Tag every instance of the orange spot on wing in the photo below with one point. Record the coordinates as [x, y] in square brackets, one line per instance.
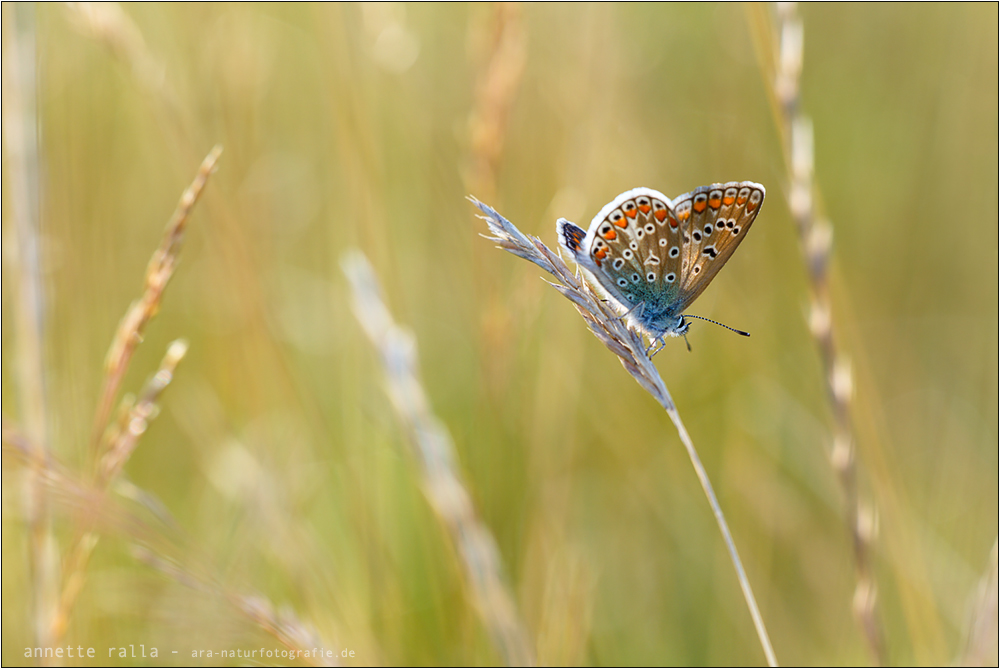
[728, 200]
[601, 254]
[684, 214]
[621, 222]
[610, 234]
[741, 200]
[644, 208]
[631, 212]
[673, 221]
[660, 214]
[700, 205]
[751, 206]
[714, 203]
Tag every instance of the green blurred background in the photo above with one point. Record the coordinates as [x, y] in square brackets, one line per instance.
[277, 452]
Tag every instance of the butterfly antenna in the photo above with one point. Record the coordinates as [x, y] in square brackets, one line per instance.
[702, 318]
[687, 342]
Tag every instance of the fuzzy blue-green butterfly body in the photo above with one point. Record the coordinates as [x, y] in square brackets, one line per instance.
[654, 255]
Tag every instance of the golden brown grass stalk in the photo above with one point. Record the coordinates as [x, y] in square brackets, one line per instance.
[816, 242]
[114, 442]
[158, 273]
[107, 23]
[496, 86]
[434, 454]
[126, 435]
[162, 550]
[123, 440]
[284, 625]
[608, 326]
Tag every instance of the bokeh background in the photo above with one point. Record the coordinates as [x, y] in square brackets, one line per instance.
[277, 467]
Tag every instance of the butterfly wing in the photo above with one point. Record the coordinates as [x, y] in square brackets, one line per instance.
[622, 248]
[713, 221]
[649, 252]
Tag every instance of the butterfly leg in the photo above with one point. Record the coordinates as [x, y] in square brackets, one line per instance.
[662, 343]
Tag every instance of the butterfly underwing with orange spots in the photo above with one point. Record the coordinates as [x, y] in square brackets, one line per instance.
[654, 255]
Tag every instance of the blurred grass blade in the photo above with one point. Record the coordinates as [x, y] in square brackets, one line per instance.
[434, 454]
[158, 273]
[816, 243]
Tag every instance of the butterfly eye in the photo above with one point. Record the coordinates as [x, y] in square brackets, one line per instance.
[635, 278]
[730, 223]
[721, 223]
[674, 252]
[622, 282]
[710, 251]
[619, 263]
[663, 241]
[650, 228]
[627, 254]
[651, 277]
[708, 229]
[697, 268]
[671, 277]
[696, 235]
[736, 230]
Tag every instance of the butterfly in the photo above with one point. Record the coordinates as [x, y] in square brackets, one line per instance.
[654, 255]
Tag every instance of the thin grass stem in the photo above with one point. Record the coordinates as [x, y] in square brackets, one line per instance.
[21, 136]
[435, 456]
